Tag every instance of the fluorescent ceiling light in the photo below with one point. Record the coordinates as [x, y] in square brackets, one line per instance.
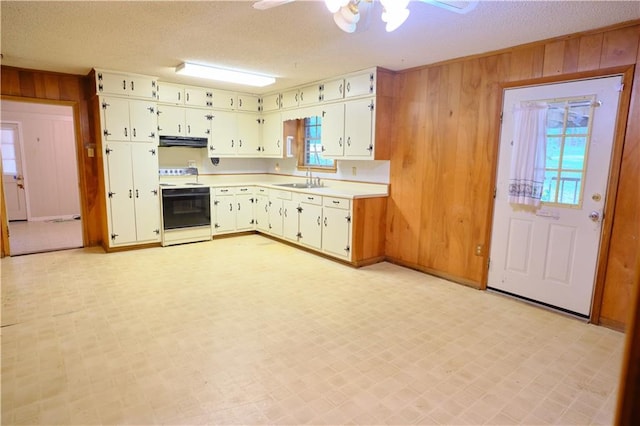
[220, 74]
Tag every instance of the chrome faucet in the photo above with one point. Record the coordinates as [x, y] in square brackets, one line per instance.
[309, 177]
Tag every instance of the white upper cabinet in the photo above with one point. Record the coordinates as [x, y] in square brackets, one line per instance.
[128, 120]
[121, 84]
[333, 130]
[290, 99]
[224, 99]
[271, 102]
[332, 90]
[309, 95]
[272, 135]
[359, 124]
[170, 93]
[249, 103]
[198, 97]
[360, 84]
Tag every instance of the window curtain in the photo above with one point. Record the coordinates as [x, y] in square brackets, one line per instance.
[526, 176]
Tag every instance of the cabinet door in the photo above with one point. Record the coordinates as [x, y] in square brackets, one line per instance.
[147, 201]
[333, 90]
[115, 119]
[244, 212]
[360, 85]
[249, 103]
[271, 102]
[311, 225]
[170, 93]
[309, 95]
[112, 84]
[143, 121]
[198, 122]
[276, 216]
[223, 99]
[120, 201]
[142, 87]
[290, 99]
[225, 220]
[272, 135]
[171, 120]
[290, 217]
[198, 96]
[358, 129]
[336, 233]
[262, 212]
[333, 130]
[249, 128]
[223, 134]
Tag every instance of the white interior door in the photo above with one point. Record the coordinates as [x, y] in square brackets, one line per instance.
[548, 254]
[13, 177]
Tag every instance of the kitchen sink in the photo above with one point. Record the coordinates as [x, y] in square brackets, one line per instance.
[299, 185]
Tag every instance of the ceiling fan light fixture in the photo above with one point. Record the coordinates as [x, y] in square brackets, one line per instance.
[226, 75]
[395, 20]
[347, 17]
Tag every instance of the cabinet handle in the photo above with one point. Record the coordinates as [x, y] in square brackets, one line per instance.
[134, 132]
[280, 211]
[137, 194]
[266, 207]
[231, 101]
[318, 220]
[240, 143]
[179, 95]
[132, 86]
[124, 84]
[348, 86]
[154, 192]
[130, 194]
[189, 128]
[230, 207]
[325, 221]
[244, 189]
[277, 143]
[238, 206]
[240, 103]
[179, 128]
[336, 202]
[340, 89]
[187, 97]
[340, 142]
[349, 141]
[285, 213]
[125, 132]
[310, 198]
[231, 143]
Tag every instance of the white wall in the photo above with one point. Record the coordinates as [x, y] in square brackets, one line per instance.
[49, 157]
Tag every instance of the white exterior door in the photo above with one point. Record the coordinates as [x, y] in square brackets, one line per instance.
[13, 177]
[548, 254]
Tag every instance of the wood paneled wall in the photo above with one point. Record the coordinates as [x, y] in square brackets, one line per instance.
[444, 154]
[47, 87]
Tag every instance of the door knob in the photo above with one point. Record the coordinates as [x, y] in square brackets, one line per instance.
[594, 216]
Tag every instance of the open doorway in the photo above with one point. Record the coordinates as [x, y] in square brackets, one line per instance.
[40, 177]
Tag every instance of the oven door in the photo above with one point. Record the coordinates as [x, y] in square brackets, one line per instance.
[185, 208]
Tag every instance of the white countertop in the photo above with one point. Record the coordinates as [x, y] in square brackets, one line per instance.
[331, 188]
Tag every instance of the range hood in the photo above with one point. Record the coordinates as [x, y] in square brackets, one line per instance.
[183, 141]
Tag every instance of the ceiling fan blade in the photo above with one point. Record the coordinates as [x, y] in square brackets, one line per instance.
[268, 4]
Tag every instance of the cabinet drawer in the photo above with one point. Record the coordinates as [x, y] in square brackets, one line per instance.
[223, 191]
[262, 191]
[282, 195]
[309, 199]
[244, 190]
[338, 203]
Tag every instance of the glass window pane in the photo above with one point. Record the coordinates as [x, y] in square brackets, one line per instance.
[553, 152]
[574, 151]
[549, 186]
[570, 188]
[8, 152]
[9, 167]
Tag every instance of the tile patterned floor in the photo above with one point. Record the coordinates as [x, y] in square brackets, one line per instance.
[247, 330]
[39, 236]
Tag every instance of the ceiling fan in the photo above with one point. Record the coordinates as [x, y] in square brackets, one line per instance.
[346, 13]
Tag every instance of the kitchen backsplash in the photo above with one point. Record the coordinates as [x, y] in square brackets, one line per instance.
[359, 171]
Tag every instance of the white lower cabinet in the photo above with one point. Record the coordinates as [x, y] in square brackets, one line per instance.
[310, 226]
[133, 205]
[261, 209]
[232, 210]
[290, 219]
[336, 231]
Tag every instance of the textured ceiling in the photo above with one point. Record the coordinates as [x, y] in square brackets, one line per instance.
[297, 42]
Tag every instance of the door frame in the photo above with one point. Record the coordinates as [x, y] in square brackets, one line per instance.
[5, 248]
[26, 198]
[614, 169]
